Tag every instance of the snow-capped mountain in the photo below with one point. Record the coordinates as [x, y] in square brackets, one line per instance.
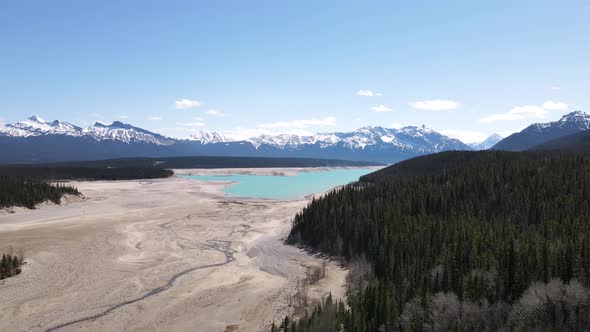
[487, 143]
[208, 137]
[126, 133]
[35, 140]
[539, 133]
[36, 126]
[117, 131]
[419, 139]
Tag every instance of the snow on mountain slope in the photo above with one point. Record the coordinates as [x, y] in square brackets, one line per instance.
[127, 133]
[411, 139]
[36, 126]
[487, 143]
[421, 139]
[539, 133]
[117, 131]
[208, 137]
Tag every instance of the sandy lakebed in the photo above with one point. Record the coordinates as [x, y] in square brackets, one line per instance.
[156, 255]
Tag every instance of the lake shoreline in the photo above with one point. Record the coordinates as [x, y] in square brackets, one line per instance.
[272, 171]
[129, 238]
[277, 184]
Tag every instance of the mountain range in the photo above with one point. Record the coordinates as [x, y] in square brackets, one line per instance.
[35, 140]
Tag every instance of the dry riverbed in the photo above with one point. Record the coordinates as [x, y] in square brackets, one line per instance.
[158, 255]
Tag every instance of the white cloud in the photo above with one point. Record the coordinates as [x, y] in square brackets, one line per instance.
[436, 104]
[215, 113]
[198, 118]
[397, 125]
[381, 108]
[123, 117]
[154, 118]
[555, 88]
[192, 124]
[526, 112]
[555, 106]
[184, 104]
[465, 136]
[367, 93]
[329, 121]
[517, 113]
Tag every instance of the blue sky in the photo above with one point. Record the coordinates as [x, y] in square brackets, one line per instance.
[466, 68]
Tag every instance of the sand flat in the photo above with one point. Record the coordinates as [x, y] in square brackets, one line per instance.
[158, 255]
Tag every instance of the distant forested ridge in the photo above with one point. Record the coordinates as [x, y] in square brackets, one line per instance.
[458, 241]
[28, 193]
[66, 172]
[216, 162]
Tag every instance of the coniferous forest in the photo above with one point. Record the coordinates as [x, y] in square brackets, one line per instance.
[10, 265]
[462, 241]
[17, 191]
[82, 173]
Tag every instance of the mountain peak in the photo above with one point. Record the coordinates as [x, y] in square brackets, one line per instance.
[36, 119]
[539, 133]
[206, 137]
[119, 124]
[489, 142]
[573, 115]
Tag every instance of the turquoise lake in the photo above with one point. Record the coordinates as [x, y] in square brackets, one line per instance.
[284, 187]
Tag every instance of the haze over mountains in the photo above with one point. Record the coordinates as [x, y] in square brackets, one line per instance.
[38, 141]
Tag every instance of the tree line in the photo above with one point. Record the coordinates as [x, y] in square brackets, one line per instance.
[10, 265]
[459, 241]
[213, 162]
[66, 172]
[17, 191]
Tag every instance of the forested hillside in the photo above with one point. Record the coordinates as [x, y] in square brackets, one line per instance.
[458, 240]
[28, 193]
[214, 162]
[65, 172]
[578, 142]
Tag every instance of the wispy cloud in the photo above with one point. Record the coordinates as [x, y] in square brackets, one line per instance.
[397, 125]
[191, 124]
[184, 104]
[367, 93]
[154, 118]
[465, 136]
[123, 117]
[381, 108]
[215, 113]
[329, 121]
[555, 106]
[517, 113]
[436, 104]
[198, 118]
[526, 112]
[555, 88]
